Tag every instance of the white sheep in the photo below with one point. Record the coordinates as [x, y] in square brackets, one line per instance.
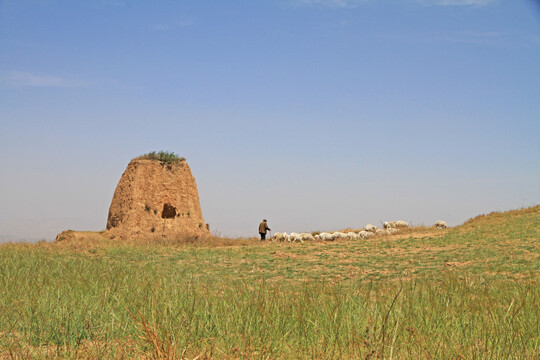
[395, 224]
[353, 235]
[441, 224]
[365, 234]
[295, 237]
[283, 237]
[306, 237]
[371, 228]
[324, 236]
[339, 235]
[392, 230]
[401, 224]
[278, 237]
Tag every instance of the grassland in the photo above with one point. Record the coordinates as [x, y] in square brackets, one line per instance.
[469, 292]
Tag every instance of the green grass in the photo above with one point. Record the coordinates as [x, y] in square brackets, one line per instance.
[470, 292]
[163, 156]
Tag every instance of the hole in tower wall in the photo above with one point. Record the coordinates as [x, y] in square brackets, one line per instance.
[169, 211]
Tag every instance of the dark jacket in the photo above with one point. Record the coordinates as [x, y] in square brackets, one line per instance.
[263, 226]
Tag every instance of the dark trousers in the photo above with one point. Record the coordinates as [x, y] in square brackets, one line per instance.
[263, 236]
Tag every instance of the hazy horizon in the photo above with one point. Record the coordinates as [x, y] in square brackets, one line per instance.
[314, 114]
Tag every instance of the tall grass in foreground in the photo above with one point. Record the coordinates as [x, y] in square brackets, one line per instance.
[58, 305]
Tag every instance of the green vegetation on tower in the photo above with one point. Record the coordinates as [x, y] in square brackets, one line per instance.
[163, 156]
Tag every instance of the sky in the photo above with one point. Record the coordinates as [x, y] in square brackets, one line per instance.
[314, 114]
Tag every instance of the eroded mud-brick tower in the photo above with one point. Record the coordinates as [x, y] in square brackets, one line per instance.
[156, 197]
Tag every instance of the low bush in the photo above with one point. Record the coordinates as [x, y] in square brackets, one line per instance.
[163, 156]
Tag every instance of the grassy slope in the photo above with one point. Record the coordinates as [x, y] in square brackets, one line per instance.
[466, 292]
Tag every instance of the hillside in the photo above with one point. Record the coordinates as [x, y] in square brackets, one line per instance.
[466, 292]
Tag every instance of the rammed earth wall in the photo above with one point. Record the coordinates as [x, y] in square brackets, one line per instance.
[154, 197]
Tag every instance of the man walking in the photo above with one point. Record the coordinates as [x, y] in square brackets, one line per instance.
[262, 229]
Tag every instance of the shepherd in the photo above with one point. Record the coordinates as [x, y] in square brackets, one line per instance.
[263, 227]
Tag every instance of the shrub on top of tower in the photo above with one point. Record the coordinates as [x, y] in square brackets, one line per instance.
[163, 157]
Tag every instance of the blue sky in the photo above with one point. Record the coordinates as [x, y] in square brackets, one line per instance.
[315, 114]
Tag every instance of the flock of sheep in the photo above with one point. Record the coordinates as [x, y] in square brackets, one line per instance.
[389, 227]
